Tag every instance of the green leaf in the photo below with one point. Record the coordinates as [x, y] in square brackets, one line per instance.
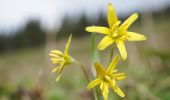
[95, 58]
[94, 51]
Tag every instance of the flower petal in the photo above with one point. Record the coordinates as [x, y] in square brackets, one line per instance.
[113, 84]
[60, 71]
[121, 32]
[113, 64]
[132, 36]
[112, 17]
[129, 21]
[122, 49]
[67, 46]
[101, 85]
[56, 53]
[98, 29]
[120, 76]
[61, 68]
[99, 69]
[115, 88]
[94, 83]
[57, 60]
[55, 69]
[58, 77]
[115, 26]
[105, 42]
[105, 90]
[119, 91]
[114, 71]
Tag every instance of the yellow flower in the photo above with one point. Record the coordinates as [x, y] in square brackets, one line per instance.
[107, 78]
[61, 59]
[116, 32]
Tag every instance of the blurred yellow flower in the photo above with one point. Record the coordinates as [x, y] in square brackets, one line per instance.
[116, 32]
[108, 78]
[61, 59]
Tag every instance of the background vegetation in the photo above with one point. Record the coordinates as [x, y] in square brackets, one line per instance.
[25, 69]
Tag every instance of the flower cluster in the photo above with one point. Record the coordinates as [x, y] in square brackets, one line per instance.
[108, 78]
[62, 59]
[116, 32]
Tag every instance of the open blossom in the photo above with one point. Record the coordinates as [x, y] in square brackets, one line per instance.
[117, 32]
[107, 78]
[61, 59]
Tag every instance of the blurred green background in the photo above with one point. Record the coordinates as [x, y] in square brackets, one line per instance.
[25, 67]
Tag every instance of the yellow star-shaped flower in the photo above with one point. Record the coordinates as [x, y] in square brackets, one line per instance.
[107, 78]
[116, 32]
[61, 59]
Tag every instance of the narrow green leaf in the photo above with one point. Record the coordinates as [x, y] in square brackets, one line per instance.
[94, 51]
[94, 58]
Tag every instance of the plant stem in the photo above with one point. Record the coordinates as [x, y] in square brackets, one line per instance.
[84, 71]
[94, 58]
[97, 93]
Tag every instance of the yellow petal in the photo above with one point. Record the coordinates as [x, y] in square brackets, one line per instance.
[120, 76]
[129, 21]
[122, 49]
[121, 32]
[105, 95]
[105, 90]
[115, 26]
[113, 84]
[101, 85]
[119, 91]
[55, 56]
[132, 36]
[57, 60]
[61, 68]
[60, 71]
[56, 53]
[67, 45]
[114, 71]
[98, 29]
[113, 64]
[105, 42]
[99, 69]
[112, 17]
[55, 69]
[94, 83]
[58, 77]
[115, 88]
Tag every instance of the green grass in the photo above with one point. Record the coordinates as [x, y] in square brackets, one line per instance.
[147, 69]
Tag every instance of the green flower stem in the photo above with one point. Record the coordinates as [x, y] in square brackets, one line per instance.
[94, 58]
[96, 90]
[84, 71]
[97, 93]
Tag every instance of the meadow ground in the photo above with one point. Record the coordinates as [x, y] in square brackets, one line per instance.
[147, 69]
